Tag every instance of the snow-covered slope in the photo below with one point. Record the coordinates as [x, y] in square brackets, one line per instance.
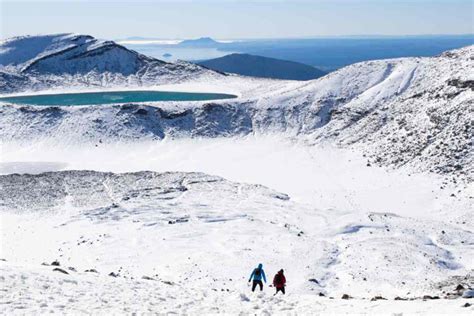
[192, 228]
[410, 111]
[417, 112]
[202, 234]
[41, 62]
[340, 226]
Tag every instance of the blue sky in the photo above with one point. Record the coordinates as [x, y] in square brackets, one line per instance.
[230, 19]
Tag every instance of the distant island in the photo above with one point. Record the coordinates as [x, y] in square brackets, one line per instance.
[167, 55]
[264, 67]
[200, 42]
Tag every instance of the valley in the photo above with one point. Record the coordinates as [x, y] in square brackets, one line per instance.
[358, 183]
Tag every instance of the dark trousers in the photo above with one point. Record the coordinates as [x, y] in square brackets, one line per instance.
[254, 285]
[282, 289]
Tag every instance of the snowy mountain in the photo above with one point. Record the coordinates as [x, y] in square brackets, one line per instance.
[287, 174]
[42, 62]
[409, 111]
[258, 66]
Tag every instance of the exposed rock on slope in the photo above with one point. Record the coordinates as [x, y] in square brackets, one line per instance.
[419, 113]
[130, 122]
[103, 194]
[52, 61]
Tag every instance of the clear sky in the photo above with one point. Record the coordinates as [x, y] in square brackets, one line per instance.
[231, 19]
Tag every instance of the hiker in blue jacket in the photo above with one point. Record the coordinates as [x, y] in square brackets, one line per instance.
[257, 275]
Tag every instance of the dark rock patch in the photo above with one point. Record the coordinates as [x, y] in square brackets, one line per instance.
[461, 84]
[459, 287]
[377, 298]
[171, 283]
[60, 270]
[172, 115]
[141, 112]
[398, 298]
[177, 221]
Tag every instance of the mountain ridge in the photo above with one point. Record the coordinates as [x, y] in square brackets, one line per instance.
[51, 60]
[263, 67]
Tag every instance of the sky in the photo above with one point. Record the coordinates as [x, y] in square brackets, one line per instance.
[234, 19]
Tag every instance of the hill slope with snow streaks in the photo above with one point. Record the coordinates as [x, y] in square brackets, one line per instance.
[70, 60]
[409, 111]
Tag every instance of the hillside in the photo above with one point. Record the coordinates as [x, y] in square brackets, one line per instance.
[358, 184]
[409, 111]
[52, 61]
[177, 237]
[264, 67]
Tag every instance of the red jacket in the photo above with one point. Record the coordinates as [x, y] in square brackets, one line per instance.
[279, 280]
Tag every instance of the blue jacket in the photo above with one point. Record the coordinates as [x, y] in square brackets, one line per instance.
[260, 276]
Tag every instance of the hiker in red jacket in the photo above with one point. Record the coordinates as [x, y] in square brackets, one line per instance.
[279, 282]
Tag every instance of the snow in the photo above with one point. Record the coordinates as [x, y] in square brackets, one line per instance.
[357, 183]
[17, 51]
[354, 222]
[328, 177]
[468, 294]
[73, 60]
[398, 112]
[79, 295]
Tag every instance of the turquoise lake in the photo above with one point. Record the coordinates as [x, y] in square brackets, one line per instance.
[91, 98]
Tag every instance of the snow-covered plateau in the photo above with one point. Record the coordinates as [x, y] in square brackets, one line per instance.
[358, 183]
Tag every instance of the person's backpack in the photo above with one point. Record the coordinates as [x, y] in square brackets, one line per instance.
[277, 279]
[257, 272]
